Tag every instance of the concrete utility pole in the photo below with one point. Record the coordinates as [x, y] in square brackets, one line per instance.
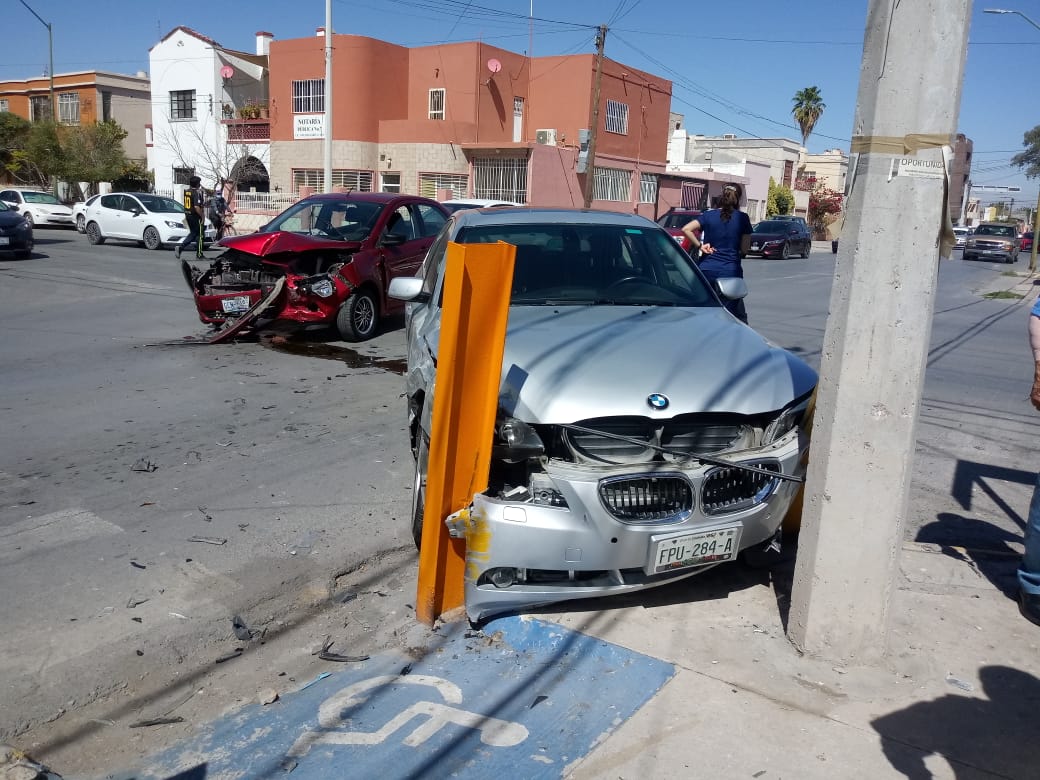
[327, 147]
[590, 170]
[876, 343]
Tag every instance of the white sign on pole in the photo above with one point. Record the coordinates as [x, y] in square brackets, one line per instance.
[308, 126]
[928, 169]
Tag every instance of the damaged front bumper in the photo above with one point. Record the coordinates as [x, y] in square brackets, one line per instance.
[521, 554]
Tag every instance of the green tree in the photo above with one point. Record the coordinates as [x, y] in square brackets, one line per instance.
[808, 108]
[93, 152]
[41, 158]
[779, 200]
[1029, 159]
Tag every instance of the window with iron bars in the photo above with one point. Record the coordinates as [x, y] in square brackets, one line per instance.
[502, 178]
[648, 188]
[182, 104]
[308, 96]
[617, 117]
[68, 108]
[611, 184]
[182, 175]
[437, 103]
[40, 108]
[429, 183]
[356, 181]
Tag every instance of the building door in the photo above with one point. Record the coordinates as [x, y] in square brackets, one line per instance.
[518, 119]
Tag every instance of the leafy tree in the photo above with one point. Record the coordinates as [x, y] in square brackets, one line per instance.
[13, 133]
[808, 108]
[824, 207]
[133, 177]
[42, 158]
[1030, 158]
[92, 152]
[779, 200]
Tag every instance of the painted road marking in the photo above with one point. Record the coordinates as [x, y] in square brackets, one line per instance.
[33, 535]
[524, 699]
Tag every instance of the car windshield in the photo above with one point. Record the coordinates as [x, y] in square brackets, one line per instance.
[161, 205]
[771, 226]
[41, 197]
[342, 220]
[675, 221]
[1006, 231]
[585, 264]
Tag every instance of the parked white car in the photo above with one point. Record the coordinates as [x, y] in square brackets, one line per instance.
[151, 220]
[39, 208]
[458, 204]
[79, 212]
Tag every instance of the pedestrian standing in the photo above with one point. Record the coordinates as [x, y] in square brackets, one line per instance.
[218, 209]
[724, 241]
[1029, 567]
[196, 216]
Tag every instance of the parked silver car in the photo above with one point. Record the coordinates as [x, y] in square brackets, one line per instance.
[644, 434]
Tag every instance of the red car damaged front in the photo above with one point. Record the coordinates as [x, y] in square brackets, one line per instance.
[332, 258]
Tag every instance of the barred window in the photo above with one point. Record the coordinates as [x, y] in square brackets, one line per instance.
[68, 108]
[40, 108]
[648, 188]
[429, 183]
[617, 117]
[437, 103]
[500, 178]
[356, 181]
[3, 106]
[182, 175]
[182, 104]
[611, 184]
[391, 182]
[308, 96]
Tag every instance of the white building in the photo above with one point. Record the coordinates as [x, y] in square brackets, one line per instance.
[209, 113]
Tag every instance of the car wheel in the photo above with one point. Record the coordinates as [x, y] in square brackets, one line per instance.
[358, 317]
[422, 462]
[25, 254]
[29, 218]
[785, 253]
[807, 250]
[81, 223]
[94, 233]
[151, 238]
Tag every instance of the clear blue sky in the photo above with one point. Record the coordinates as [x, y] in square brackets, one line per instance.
[734, 66]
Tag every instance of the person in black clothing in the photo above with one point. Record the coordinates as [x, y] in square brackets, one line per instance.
[194, 199]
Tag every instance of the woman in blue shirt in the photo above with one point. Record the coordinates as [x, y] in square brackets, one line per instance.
[724, 241]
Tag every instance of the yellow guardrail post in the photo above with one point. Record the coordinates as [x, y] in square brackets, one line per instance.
[469, 373]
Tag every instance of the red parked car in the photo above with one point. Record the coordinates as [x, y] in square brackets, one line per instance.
[673, 221]
[1025, 244]
[327, 260]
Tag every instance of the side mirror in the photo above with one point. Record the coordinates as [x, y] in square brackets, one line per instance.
[732, 288]
[407, 288]
[136, 211]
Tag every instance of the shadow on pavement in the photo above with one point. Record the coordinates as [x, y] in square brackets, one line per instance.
[991, 737]
[982, 545]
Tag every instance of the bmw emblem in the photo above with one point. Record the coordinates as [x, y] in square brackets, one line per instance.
[657, 401]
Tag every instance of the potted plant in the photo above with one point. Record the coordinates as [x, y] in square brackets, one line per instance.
[249, 111]
[228, 111]
[264, 112]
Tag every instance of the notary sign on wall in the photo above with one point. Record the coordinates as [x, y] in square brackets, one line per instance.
[308, 126]
[928, 169]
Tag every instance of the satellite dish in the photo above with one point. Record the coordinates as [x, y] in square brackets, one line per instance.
[227, 72]
[494, 65]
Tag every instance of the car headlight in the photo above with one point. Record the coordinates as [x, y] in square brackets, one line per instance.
[773, 243]
[787, 420]
[970, 242]
[1008, 245]
[323, 289]
[516, 441]
[170, 223]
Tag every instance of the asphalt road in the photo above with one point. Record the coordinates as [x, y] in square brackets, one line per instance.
[122, 441]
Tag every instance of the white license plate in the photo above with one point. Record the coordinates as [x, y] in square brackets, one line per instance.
[754, 246]
[235, 305]
[4, 241]
[668, 553]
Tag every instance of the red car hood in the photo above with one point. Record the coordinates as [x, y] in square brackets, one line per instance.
[279, 242]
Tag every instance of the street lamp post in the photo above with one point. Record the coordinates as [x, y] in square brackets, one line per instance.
[1036, 218]
[50, 50]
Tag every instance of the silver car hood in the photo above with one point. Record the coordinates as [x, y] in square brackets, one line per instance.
[569, 363]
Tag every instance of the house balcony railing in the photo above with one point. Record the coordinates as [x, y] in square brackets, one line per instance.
[248, 131]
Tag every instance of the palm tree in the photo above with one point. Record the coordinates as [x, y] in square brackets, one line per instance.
[808, 107]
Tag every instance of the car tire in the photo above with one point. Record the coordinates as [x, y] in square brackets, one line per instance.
[29, 218]
[81, 223]
[785, 252]
[807, 250]
[422, 462]
[94, 234]
[151, 237]
[358, 317]
[967, 256]
[25, 254]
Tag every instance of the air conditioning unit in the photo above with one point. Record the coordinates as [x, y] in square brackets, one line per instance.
[729, 135]
[546, 137]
